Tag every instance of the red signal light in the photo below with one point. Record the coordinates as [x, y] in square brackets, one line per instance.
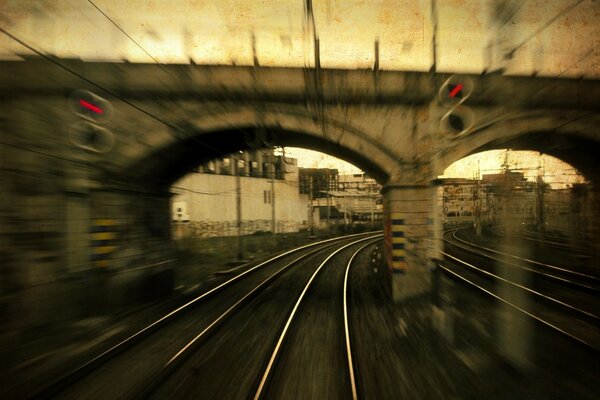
[456, 90]
[91, 107]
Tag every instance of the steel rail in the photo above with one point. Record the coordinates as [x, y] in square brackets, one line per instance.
[586, 314]
[186, 351]
[535, 271]
[291, 317]
[555, 241]
[81, 371]
[346, 324]
[567, 271]
[535, 317]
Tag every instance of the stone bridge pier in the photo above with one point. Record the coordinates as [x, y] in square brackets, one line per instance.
[412, 231]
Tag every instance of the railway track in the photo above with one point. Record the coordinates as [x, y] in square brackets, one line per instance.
[287, 370]
[286, 338]
[553, 240]
[163, 355]
[566, 302]
[561, 274]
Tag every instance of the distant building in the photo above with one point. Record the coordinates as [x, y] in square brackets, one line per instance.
[458, 200]
[204, 202]
[570, 210]
[512, 198]
[342, 198]
[509, 198]
[322, 180]
[463, 198]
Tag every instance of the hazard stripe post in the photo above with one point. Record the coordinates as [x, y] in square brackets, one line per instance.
[103, 239]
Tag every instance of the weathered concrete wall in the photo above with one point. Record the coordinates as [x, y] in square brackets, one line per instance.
[229, 228]
[211, 199]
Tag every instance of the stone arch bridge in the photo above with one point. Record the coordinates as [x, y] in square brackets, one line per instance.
[159, 121]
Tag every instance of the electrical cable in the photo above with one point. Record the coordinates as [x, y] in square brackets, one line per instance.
[54, 61]
[156, 61]
[125, 33]
[546, 25]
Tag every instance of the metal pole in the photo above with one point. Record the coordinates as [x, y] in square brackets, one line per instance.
[434, 21]
[328, 199]
[540, 204]
[372, 195]
[376, 64]
[478, 227]
[310, 196]
[238, 184]
[273, 191]
[372, 209]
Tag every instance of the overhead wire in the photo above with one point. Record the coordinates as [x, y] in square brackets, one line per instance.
[42, 54]
[54, 61]
[312, 22]
[205, 193]
[309, 18]
[546, 25]
[125, 33]
[108, 91]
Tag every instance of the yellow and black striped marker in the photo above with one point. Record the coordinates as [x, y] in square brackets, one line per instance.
[104, 237]
[395, 242]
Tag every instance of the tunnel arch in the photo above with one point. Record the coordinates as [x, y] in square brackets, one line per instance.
[576, 143]
[211, 136]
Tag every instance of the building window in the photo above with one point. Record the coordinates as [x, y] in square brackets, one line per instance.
[267, 196]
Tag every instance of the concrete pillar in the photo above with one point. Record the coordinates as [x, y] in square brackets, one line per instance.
[409, 249]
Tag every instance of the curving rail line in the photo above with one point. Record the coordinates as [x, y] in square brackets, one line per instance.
[346, 324]
[88, 367]
[272, 360]
[529, 314]
[590, 316]
[586, 282]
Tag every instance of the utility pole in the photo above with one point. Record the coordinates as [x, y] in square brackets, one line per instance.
[478, 228]
[238, 190]
[371, 196]
[273, 222]
[434, 22]
[328, 199]
[310, 199]
[540, 204]
[372, 208]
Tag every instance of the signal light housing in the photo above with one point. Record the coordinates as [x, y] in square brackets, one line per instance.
[91, 137]
[90, 106]
[459, 119]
